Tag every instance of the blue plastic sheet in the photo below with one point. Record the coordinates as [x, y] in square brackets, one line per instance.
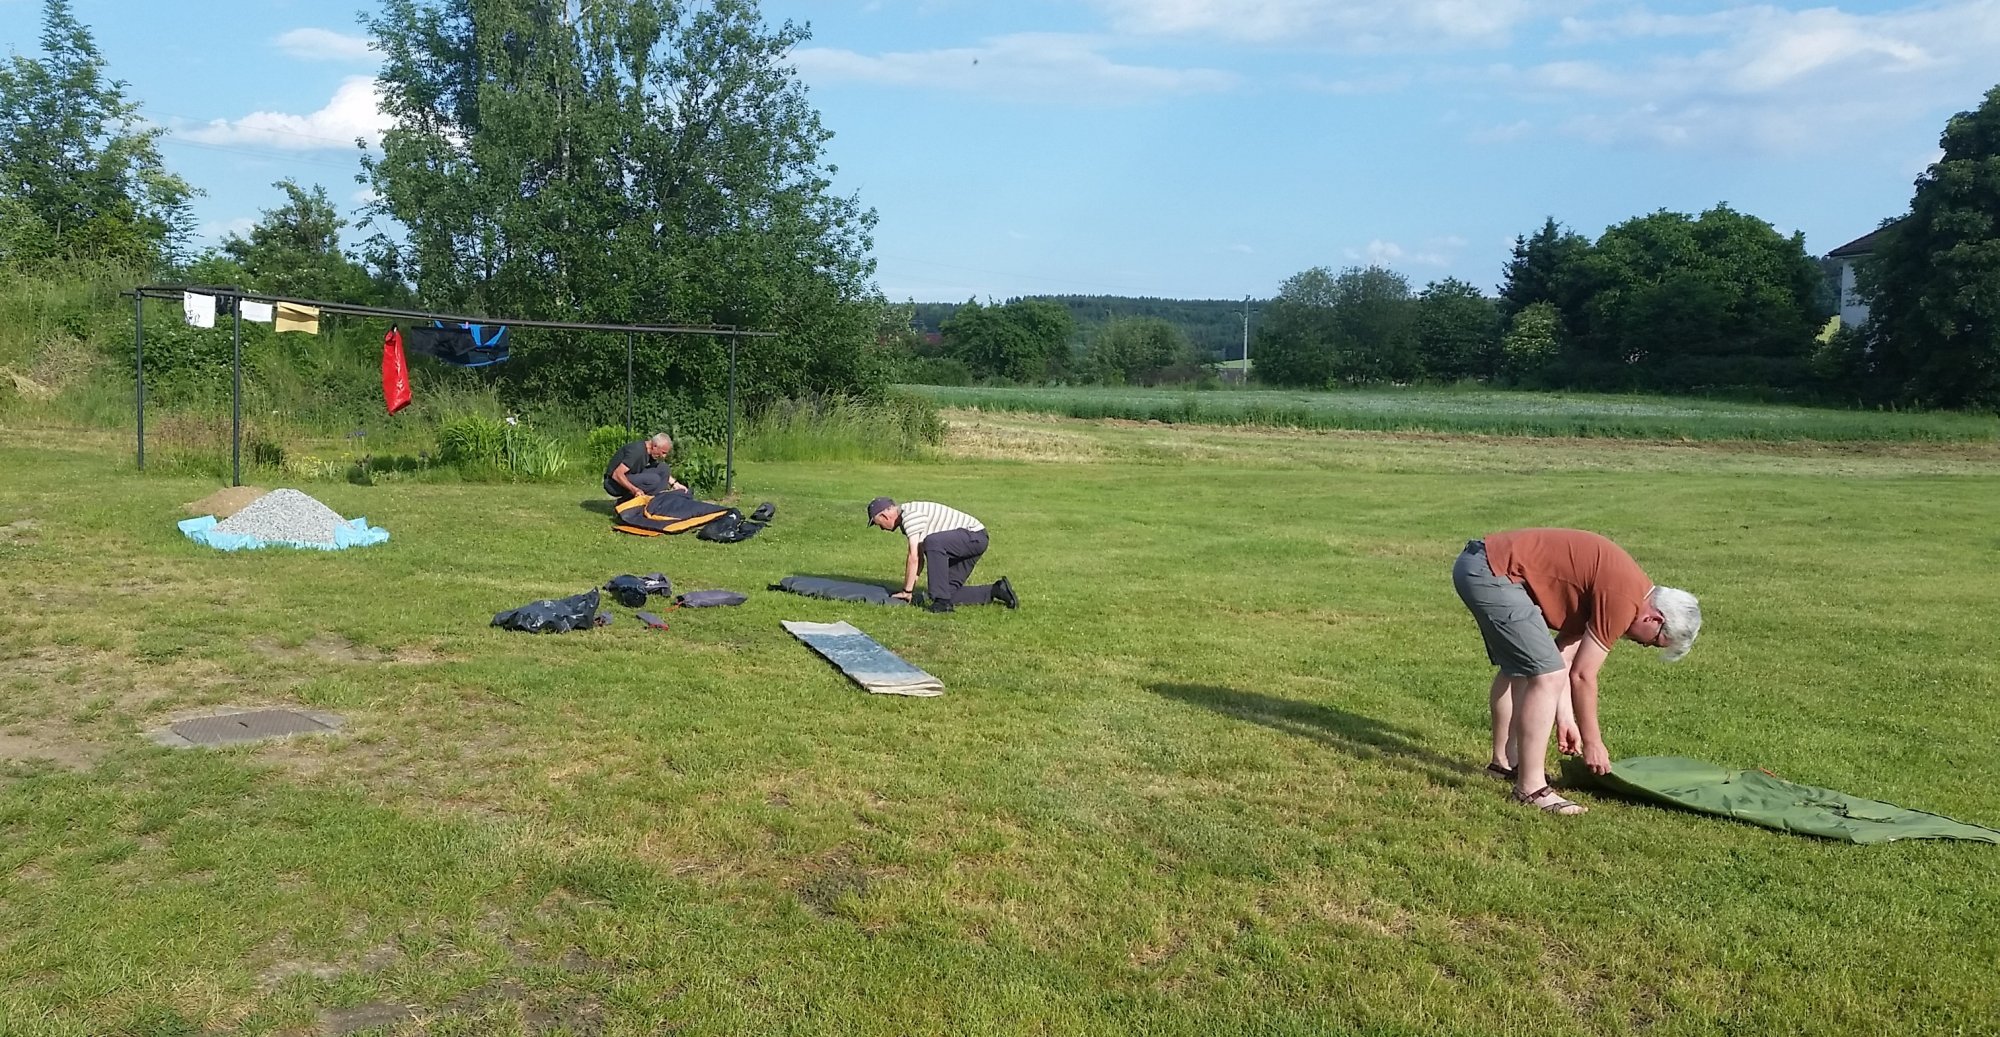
[351, 533]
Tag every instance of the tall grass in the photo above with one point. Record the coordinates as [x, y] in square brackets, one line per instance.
[903, 427]
[1481, 412]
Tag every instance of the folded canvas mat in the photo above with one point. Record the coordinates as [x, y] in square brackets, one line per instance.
[1763, 799]
[877, 669]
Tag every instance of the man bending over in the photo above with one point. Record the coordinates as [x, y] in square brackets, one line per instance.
[1524, 583]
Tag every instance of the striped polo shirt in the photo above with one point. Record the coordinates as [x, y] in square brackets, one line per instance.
[921, 518]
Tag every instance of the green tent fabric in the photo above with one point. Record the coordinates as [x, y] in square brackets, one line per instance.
[1761, 799]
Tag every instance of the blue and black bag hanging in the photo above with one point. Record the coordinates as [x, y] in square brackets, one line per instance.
[463, 345]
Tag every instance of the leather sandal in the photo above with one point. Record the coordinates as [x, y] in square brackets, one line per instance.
[1548, 801]
[1497, 771]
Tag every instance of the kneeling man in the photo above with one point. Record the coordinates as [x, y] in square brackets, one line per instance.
[950, 543]
[640, 467]
[1524, 583]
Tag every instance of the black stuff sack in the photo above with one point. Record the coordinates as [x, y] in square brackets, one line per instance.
[729, 529]
[710, 599]
[552, 615]
[632, 591]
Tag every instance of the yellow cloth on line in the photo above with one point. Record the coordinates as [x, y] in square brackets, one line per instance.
[291, 317]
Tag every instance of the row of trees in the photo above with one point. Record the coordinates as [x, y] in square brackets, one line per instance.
[1665, 301]
[1038, 339]
[628, 161]
[1213, 328]
[1673, 302]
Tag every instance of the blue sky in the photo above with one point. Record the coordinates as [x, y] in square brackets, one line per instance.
[1201, 148]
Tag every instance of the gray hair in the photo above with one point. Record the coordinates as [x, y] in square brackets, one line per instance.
[1680, 620]
[662, 439]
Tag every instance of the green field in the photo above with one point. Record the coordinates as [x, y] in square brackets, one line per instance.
[1219, 774]
[1479, 412]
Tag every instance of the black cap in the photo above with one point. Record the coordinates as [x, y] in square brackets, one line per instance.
[877, 507]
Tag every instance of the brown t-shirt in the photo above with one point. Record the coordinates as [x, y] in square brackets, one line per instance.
[1580, 580]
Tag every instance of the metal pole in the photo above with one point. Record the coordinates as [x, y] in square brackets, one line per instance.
[628, 383]
[236, 404]
[139, 369]
[729, 452]
[1246, 341]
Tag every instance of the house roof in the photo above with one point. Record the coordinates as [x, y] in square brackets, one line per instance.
[1863, 245]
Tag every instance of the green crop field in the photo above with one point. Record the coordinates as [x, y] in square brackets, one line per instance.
[1218, 775]
[1479, 412]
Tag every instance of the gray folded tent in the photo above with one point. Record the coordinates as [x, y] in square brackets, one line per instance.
[838, 590]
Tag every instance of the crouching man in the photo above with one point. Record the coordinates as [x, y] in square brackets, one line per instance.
[1524, 583]
[641, 467]
[949, 543]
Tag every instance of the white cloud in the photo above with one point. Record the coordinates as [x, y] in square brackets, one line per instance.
[355, 111]
[1434, 252]
[1386, 83]
[1025, 66]
[324, 45]
[1242, 249]
[367, 196]
[1647, 24]
[1360, 25]
[1503, 133]
[1768, 78]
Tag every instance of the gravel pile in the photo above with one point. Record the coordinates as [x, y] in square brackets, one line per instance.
[284, 515]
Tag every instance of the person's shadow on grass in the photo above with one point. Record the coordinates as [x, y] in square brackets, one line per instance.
[1351, 733]
[600, 505]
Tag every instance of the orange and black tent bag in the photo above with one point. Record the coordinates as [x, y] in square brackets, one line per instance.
[649, 515]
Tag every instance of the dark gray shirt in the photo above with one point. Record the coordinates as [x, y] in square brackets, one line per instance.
[634, 457]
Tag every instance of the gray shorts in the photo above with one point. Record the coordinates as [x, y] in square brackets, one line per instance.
[1517, 634]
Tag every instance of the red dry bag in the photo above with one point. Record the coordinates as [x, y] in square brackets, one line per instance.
[395, 372]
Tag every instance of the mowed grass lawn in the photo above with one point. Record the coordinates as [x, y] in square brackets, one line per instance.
[1218, 775]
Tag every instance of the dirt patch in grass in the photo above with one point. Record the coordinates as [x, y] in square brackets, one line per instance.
[48, 747]
[320, 648]
[336, 649]
[225, 502]
[821, 888]
[374, 1015]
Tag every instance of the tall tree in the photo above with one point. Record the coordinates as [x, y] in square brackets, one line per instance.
[1532, 343]
[1022, 341]
[622, 160]
[1679, 302]
[1933, 284]
[80, 173]
[1542, 268]
[294, 249]
[1374, 320]
[1295, 342]
[1138, 350]
[1458, 331]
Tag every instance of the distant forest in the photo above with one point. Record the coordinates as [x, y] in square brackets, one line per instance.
[1213, 326]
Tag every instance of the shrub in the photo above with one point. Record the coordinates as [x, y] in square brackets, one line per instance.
[535, 456]
[698, 466]
[604, 442]
[472, 441]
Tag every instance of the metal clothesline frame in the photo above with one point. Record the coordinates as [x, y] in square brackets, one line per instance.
[175, 291]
